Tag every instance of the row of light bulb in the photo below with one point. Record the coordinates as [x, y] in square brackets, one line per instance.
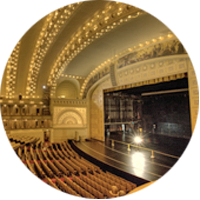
[30, 120]
[53, 24]
[11, 71]
[77, 44]
[23, 106]
[72, 76]
[145, 44]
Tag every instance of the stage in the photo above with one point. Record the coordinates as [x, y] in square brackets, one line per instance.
[135, 165]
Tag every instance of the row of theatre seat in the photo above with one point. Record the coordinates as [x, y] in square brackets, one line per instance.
[60, 166]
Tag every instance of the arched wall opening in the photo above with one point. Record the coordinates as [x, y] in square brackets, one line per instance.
[68, 89]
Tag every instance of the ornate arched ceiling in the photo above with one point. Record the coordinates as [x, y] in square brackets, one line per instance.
[153, 22]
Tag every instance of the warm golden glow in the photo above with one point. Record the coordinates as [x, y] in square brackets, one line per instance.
[169, 35]
[138, 161]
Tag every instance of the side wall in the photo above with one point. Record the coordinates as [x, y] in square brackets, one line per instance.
[194, 94]
[96, 116]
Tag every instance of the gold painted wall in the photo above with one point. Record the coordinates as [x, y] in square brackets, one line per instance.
[194, 94]
[68, 90]
[97, 112]
[3, 68]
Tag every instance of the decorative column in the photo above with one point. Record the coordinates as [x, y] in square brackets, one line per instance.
[27, 110]
[1, 110]
[30, 109]
[9, 109]
[25, 123]
[28, 123]
[4, 109]
[17, 124]
[20, 109]
[45, 123]
[21, 124]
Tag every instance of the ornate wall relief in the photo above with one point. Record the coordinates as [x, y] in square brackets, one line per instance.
[156, 68]
[69, 117]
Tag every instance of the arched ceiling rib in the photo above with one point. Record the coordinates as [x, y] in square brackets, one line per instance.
[83, 13]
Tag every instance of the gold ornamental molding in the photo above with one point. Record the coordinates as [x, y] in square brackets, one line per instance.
[149, 82]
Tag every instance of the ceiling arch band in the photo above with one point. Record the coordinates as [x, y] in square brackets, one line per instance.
[11, 71]
[52, 26]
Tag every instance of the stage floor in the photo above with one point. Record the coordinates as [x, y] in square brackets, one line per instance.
[170, 145]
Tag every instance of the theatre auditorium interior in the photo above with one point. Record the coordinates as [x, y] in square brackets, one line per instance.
[99, 99]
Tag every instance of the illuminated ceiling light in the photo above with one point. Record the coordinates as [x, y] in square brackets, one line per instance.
[169, 35]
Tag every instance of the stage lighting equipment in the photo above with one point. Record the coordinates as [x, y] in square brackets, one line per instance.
[138, 139]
